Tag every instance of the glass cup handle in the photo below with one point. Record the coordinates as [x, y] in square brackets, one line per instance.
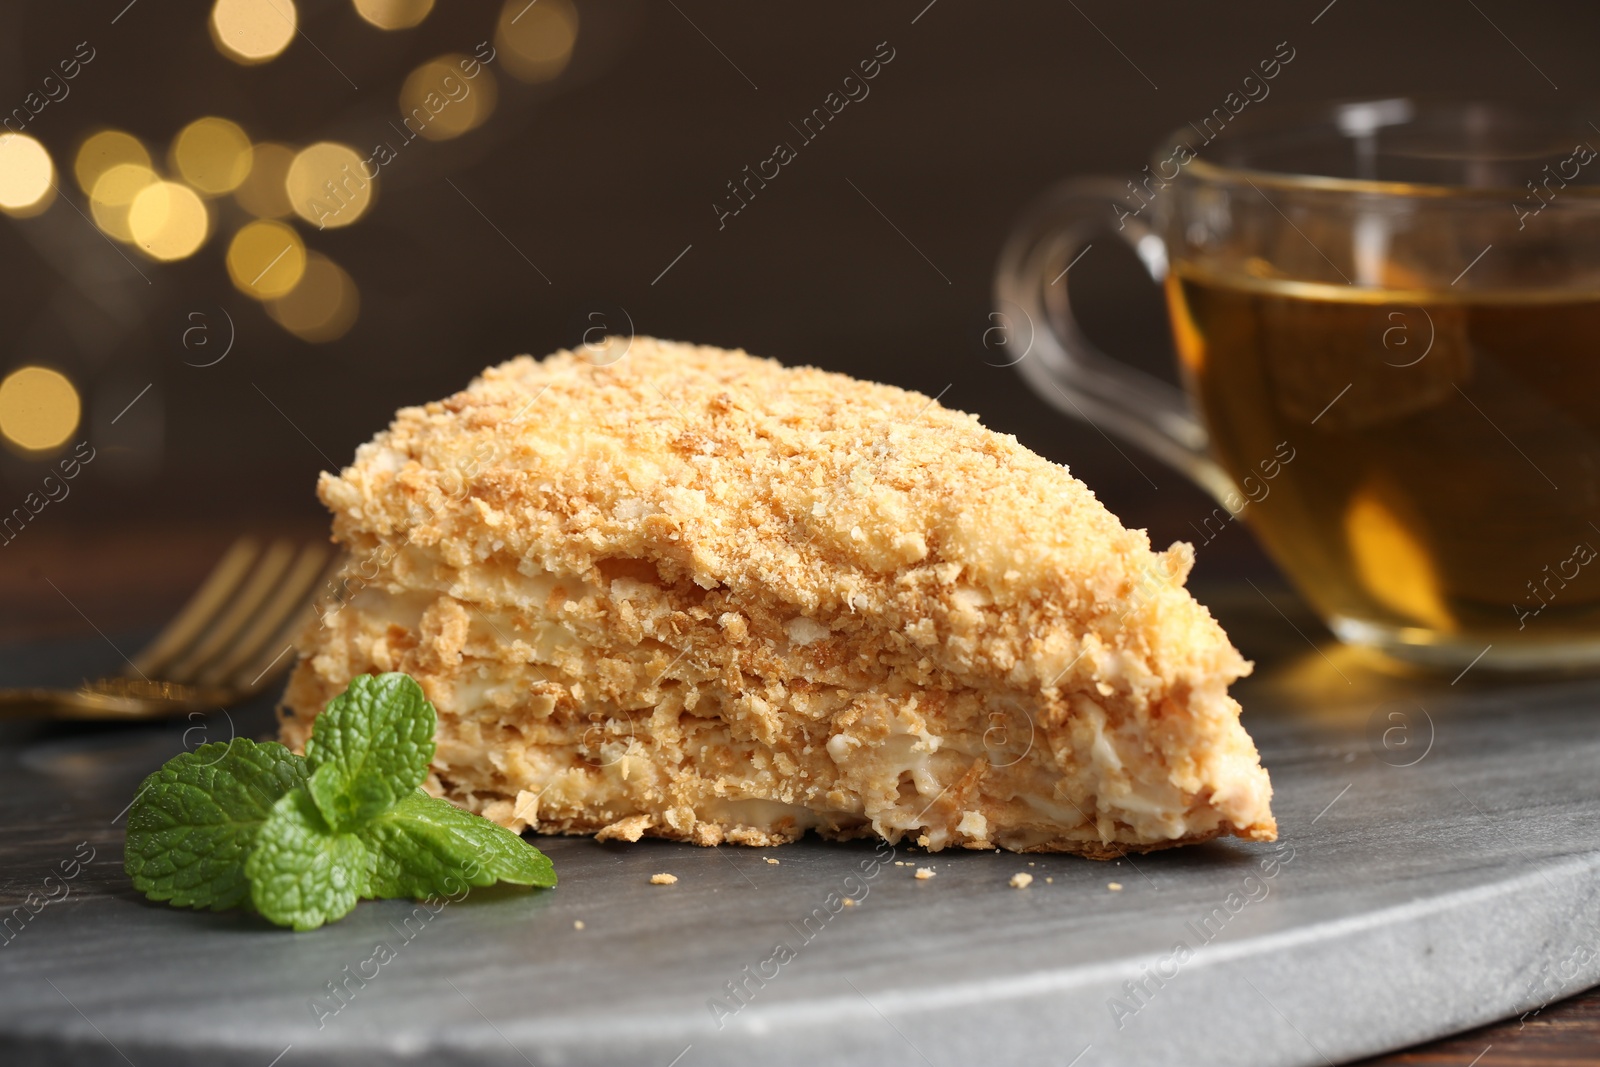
[1043, 341]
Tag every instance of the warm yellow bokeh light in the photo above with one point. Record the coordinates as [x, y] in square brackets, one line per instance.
[323, 306]
[394, 14]
[266, 259]
[253, 31]
[113, 195]
[327, 185]
[264, 192]
[104, 150]
[213, 155]
[27, 177]
[440, 102]
[535, 39]
[168, 221]
[39, 408]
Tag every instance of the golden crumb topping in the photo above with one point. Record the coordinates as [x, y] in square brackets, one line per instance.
[832, 494]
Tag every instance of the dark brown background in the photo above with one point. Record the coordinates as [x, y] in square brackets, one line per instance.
[601, 179]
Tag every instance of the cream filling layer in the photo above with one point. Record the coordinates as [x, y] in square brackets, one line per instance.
[1101, 797]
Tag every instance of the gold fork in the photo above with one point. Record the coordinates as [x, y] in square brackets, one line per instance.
[230, 641]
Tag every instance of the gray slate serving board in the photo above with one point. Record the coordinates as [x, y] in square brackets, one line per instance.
[1439, 868]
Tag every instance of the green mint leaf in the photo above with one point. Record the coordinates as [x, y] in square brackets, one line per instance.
[428, 847]
[369, 748]
[302, 872]
[193, 821]
[303, 839]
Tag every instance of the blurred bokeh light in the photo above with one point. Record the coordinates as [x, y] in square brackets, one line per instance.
[168, 221]
[39, 408]
[113, 194]
[441, 102]
[394, 14]
[213, 155]
[27, 177]
[104, 150]
[327, 185]
[266, 259]
[253, 31]
[323, 306]
[534, 39]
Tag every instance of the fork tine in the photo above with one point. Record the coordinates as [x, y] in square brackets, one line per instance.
[274, 659]
[185, 627]
[233, 618]
[255, 674]
[291, 593]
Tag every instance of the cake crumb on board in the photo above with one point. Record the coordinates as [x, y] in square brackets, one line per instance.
[1113, 886]
[663, 879]
[924, 873]
[1021, 880]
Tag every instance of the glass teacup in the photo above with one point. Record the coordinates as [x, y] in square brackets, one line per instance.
[1387, 319]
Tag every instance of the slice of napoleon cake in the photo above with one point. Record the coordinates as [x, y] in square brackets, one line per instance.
[666, 590]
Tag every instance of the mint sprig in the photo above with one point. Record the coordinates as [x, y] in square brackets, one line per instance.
[371, 746]
[302, 839]
[420, 842]
[302, 872]
[194, 821]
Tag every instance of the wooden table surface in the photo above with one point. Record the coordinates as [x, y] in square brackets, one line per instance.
[1564, 1033]
[82, 581]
